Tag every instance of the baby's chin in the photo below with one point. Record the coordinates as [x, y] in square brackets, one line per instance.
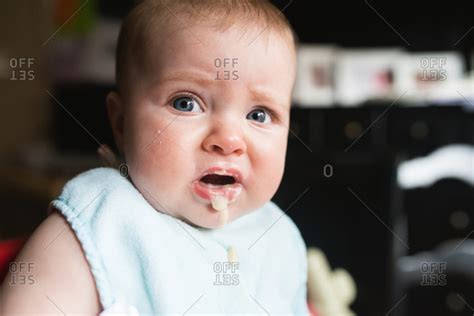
[210, 218]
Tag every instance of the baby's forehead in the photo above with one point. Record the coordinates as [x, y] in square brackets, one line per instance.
[263, 77]
[211, 48]
[236, 58]
[159, 35]
[151, 25]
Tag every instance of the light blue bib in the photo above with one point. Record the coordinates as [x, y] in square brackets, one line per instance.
[162, 265]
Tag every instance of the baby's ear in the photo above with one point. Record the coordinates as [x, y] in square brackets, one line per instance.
[115, 111]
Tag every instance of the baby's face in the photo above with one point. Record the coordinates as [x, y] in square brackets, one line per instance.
[210, 100]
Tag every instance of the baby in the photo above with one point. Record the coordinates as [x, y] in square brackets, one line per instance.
[200, 117]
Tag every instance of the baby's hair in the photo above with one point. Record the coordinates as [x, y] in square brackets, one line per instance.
[151, 15]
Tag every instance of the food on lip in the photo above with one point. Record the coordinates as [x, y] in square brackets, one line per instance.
[207, 191]
[220, 186]
[219, 203]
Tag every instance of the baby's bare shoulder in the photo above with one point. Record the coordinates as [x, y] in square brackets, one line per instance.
[50, 275]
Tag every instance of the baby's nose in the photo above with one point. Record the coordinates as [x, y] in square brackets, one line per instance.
[225, 140]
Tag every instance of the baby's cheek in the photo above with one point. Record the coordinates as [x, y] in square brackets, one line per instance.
[147, 136]
[274, 172]
[153, 156]
[268, 170]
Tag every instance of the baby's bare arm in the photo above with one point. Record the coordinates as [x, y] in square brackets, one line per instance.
[50, 275]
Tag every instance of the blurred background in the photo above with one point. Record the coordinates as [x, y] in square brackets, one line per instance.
[380, 161]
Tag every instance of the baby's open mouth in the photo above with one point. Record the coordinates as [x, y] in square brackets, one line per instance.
[217, 179]
[220, 187]
[218, 183]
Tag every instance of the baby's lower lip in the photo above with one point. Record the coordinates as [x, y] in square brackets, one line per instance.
[206, 191]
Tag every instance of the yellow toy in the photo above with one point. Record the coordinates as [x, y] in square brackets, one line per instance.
[329, 292]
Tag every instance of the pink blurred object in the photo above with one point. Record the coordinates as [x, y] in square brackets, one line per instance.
[9, 249]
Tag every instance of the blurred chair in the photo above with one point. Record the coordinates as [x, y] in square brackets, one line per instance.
[433, 210]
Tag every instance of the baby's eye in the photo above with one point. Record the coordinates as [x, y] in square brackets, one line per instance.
[260, 115]
[186, 104]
